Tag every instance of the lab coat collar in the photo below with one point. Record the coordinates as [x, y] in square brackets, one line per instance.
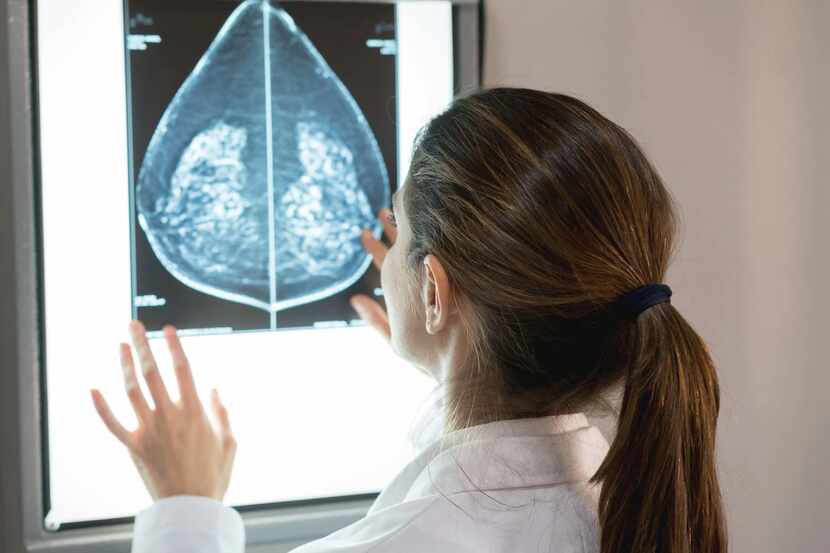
[505, 454]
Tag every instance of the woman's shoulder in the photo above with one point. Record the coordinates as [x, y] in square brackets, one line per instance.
[374, 530]
[561, 516]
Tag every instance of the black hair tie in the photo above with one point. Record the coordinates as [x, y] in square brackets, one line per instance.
[631, 304]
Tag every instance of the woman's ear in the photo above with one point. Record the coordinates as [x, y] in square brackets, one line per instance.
[436, 294]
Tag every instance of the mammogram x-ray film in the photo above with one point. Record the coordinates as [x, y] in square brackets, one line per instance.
[262, 169]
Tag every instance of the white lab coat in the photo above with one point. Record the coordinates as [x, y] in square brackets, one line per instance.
[533, 473]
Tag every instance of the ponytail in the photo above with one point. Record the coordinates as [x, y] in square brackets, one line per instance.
[660, 490]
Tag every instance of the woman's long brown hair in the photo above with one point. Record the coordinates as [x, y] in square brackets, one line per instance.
[543, 212]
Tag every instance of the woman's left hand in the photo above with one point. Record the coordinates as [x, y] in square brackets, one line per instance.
[175, 447]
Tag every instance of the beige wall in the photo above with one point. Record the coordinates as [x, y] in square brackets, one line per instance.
[730, 101]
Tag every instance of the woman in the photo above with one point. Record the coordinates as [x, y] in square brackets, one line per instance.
[528, 244]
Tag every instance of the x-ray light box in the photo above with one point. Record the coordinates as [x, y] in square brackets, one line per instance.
[208, 164]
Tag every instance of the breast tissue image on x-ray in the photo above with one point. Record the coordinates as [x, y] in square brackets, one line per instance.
[260, 174]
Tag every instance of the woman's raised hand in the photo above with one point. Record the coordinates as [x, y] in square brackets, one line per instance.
[175, 447]
[370, 310]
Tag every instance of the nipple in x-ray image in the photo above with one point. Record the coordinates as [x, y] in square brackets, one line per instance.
[263, 141]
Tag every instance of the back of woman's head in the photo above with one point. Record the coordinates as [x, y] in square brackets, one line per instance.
[543, 212]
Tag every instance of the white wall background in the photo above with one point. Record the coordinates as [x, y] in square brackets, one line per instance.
[730, 101]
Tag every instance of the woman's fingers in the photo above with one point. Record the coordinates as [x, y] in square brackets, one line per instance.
[228, 440]
[148, 366]
[137, 399]
[176, 452]
[372, 312]
[221, 414]
[184, 376]
[112, 424]
[391, 231]
[374, 247]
